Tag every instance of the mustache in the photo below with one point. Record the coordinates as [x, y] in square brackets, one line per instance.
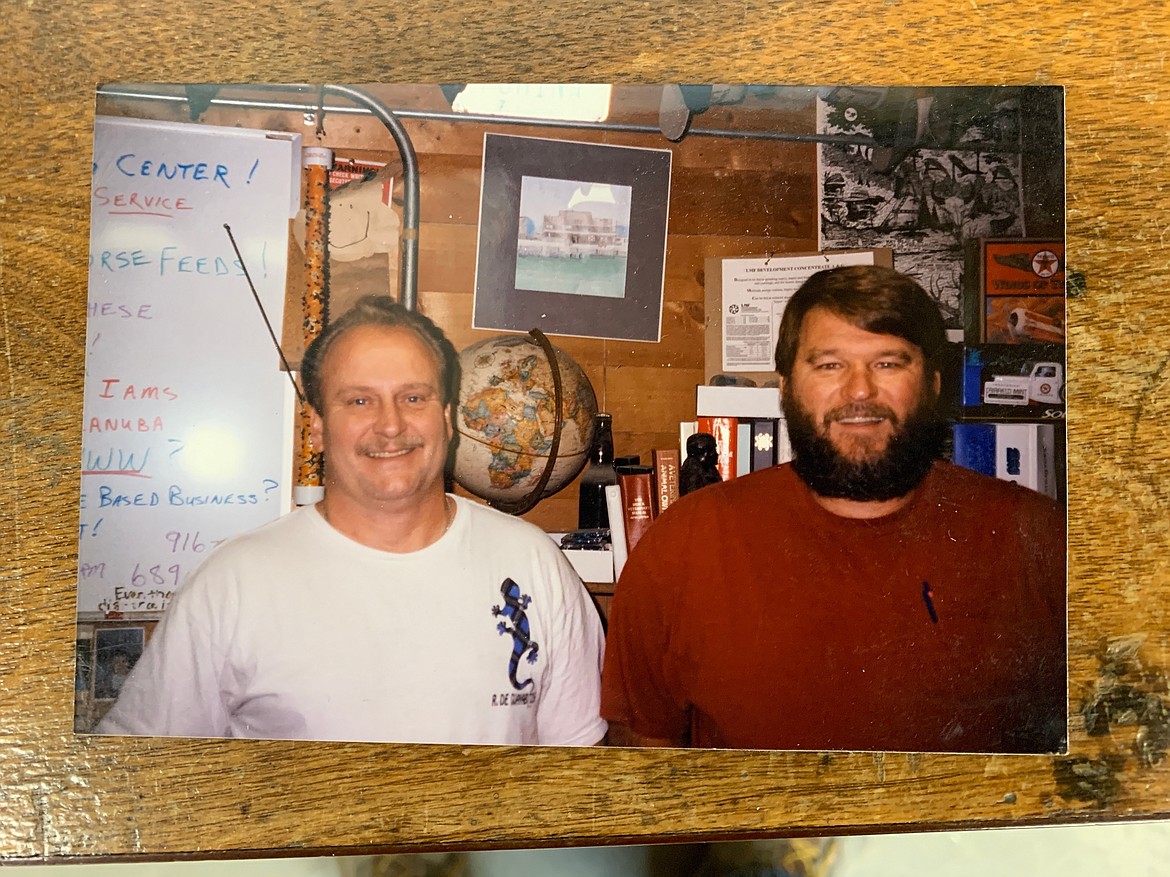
[860, 409]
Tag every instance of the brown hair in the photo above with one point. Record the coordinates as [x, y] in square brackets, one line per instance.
[381, 310]
[870, 297]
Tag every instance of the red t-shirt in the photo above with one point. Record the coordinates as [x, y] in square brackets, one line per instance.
[749, 617]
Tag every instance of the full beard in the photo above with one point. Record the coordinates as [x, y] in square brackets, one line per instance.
[907, 458]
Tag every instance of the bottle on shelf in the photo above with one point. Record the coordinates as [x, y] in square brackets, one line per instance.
[591, 509]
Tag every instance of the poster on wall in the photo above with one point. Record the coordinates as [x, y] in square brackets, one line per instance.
[1020, 297]
[572, 238]
[947, 168]
[754, 295]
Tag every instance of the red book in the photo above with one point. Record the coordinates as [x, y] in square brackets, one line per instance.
[637, 501]
[726, 432]
[666, 462]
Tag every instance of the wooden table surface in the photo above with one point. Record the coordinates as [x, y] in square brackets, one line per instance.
[63, 797]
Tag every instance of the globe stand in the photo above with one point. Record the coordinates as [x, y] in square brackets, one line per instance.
[529, 500]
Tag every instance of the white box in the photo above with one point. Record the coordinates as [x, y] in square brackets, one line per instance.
[1026, 454]
[759, 402]
[592, 566]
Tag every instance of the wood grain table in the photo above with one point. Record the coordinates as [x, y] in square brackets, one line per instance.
[73, 798]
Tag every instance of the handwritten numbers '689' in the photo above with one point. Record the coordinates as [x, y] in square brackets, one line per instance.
[155, 575]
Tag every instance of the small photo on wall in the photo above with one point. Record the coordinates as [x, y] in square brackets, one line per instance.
[573, 237]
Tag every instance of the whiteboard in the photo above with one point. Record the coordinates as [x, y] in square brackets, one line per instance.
[187, 429]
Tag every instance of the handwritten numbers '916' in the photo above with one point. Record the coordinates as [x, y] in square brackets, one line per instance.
[187, 541]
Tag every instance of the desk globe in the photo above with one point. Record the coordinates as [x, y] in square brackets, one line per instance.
[506, 419]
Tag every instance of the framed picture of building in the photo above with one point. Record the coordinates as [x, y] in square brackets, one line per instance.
[572, 238]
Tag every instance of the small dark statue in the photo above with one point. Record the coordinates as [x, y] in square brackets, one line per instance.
[699, 468]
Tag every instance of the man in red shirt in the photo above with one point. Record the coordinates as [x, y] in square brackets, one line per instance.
[866, 596]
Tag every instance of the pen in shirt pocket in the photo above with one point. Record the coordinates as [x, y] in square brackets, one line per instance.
[928, 599]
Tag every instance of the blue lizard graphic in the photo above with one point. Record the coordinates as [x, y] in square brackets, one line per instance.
[514, 605]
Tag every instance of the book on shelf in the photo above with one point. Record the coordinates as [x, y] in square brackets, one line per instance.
[765, 444]
[763, 453]
[783, 444]
[743, 448]
[1026, 454]
[760, 436]
[1021, 452]
[726, 433]
[974, 447]
[666, 463]
[637, 492]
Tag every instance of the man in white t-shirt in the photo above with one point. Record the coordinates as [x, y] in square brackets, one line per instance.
[390, 611]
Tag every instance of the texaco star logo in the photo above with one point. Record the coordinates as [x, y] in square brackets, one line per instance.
[1045, 263]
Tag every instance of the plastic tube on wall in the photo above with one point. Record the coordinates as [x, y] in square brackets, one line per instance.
[317, 160]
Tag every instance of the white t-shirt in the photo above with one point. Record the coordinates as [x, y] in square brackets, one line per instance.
[294, 631]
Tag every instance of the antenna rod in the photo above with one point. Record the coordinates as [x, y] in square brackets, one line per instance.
[271, 334]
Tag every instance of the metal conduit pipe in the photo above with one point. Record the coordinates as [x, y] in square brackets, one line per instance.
[408, 261]
[408, 268]
[623, 127]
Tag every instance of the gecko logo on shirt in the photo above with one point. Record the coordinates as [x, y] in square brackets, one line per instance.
[522, 643]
